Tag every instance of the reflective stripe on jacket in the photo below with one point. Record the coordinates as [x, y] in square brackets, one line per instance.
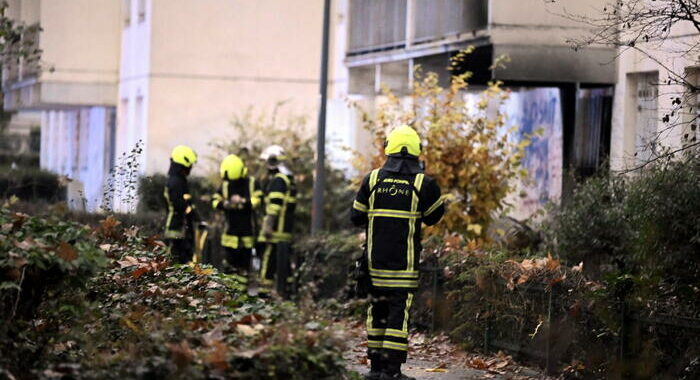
[240, 219]
[181, 210]
[280, 202]
[393, 206]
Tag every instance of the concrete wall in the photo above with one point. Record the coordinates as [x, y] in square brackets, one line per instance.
[665, 59]
[212, 59]
[76, 143]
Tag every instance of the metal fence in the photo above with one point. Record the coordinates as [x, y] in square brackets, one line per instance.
[538, 324]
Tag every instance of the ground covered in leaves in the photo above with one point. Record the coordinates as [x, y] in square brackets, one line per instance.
[105, 303]
[436, 358]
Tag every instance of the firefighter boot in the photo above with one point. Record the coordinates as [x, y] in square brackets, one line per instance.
[375, 372]
[393, 371]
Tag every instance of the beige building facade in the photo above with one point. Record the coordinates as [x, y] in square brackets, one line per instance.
[649, 79]
[71, 91]
[143, 76]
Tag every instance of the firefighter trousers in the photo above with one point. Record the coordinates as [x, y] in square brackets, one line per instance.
[387, 324]
[276, 265]
[238, 260]
[181, 250]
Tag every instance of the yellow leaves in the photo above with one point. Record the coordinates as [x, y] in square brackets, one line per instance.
[475, 228]
[466, 146]
[199, 271]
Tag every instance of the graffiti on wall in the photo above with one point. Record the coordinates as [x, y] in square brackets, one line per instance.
[531, 110]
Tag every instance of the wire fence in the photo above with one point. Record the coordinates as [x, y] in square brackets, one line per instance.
[539, 324]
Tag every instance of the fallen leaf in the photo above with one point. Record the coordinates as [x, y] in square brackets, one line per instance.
[477, 363]
[25, 244]
[181, 353]
[436, 370]
[523, 279]
[18, 220]
[501, 365]
[246, 330]
[552, 264]
[217, 357]
[152, 241]
[66, 252]
[127, 261]
[578, 268]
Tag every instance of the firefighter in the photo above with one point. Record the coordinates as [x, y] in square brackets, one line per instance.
[392, 204]
[182, 216]
[238, 197]
[276, 232]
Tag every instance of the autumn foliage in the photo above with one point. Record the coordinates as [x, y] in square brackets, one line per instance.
[465, 148]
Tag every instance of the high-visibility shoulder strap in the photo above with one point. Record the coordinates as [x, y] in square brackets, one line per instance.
[224, 190]
[285, 179]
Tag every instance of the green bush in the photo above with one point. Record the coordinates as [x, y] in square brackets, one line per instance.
[40, 259]
[255, 132]
[645, 226]
[30, 184]
[142, 317]
[328, 262]
[22, 160]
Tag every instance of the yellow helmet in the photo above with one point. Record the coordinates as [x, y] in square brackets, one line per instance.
[233, 168]
[183, 155]
[403, 137]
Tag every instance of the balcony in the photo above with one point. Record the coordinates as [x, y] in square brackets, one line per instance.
[381, 25]
[389, 37]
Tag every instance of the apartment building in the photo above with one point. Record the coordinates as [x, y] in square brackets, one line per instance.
[142, 76]
[71, 91]
[566, 93]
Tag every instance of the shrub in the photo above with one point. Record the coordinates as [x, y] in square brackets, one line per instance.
[467, 151]
[252, 133]
[30, 184]
[40, 260]
[22, 160]
[328, 263]
[142, 317]
[646, 226]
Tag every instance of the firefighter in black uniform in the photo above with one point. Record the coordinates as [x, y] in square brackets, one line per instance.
[182, 216]
[238, 197]
[276, 233]
[391, 204]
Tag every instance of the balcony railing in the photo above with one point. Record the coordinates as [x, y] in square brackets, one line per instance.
[436, 19]
[377, 25]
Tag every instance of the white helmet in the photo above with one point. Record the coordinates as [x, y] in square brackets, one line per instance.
[273, 155]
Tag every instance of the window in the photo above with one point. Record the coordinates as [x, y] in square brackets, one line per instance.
[691, 111]
[142, 11]
[126, 12]
[138, 120]
[646, 133]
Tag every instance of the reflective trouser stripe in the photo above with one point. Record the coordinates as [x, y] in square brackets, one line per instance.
[388, 328]
[393, 273]
[233, 241]
[394, 283]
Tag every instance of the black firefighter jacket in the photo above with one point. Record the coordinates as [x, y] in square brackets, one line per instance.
[240, 218]
[181, 212]
[392, 203]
